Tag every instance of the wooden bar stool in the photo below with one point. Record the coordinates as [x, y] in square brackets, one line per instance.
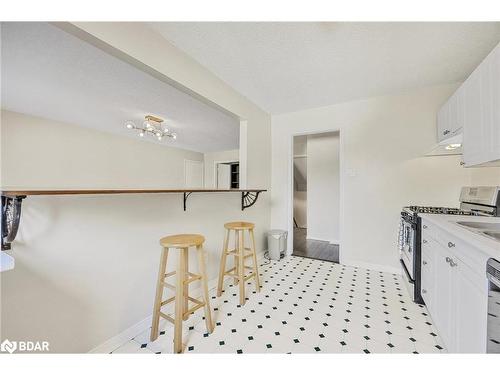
[182, 243]
[240, 253]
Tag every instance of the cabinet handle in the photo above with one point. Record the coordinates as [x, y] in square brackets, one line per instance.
[424, 241]
[424, 262]
[451, 244]
[425, 226]
[445, 132]
[452, 263]
[462, 163]
[424, 291]
[448, 259]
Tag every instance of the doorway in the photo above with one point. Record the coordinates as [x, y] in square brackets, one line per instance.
[227, 175]
[316, 196]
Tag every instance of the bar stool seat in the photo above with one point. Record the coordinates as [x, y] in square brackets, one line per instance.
[240, 253]
[181, 243]
[239, 225]
[182, 240]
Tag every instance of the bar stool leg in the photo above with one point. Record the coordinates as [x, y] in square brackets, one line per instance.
[255, 268]
[236, 252]
[159, 294]
[186, 285]
[241, 268]
[206, 297]
[222, 269]
[179, 302]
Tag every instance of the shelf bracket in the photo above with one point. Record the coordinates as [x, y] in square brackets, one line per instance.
[248, 199]
[11, 215]
[186, 195]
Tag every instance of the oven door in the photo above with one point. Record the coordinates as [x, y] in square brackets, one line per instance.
[407, 245]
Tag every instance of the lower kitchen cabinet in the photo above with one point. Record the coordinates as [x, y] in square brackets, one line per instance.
[455, 295]
[471, 311]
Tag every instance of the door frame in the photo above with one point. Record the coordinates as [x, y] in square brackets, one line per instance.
[291, 184]
[216, 162]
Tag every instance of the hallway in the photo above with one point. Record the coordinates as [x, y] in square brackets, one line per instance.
[321, 250]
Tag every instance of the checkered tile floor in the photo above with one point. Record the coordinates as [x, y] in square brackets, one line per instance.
[307, 306]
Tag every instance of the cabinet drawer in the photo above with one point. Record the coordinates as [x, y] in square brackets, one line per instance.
[463, 252]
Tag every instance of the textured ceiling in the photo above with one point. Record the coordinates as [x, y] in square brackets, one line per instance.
[49, 73]
[285, 67]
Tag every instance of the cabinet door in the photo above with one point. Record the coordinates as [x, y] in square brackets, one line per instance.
[443, 122]
[454, 126]
[471, 309]
[443, 298]
[495, 94]
[482, 112]
[473, 131]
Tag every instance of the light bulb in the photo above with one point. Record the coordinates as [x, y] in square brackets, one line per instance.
[141, 134]
[147, 124]
[174, 136]
[159, 137]
[130, 125]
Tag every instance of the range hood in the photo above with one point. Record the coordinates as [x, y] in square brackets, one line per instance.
[449, 146]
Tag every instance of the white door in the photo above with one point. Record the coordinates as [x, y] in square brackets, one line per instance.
[223, 176]
[193, 174]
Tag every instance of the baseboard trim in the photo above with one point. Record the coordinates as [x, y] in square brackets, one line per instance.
[316, 239]
[116, 341]
[371, 266]
[128, 334]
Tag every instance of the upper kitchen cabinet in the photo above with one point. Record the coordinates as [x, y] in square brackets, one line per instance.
[481, 103]
[450, 119]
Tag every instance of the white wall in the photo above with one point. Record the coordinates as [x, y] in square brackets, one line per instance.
[300, 185]
[42, 154]
[300, 208]
[323, 183]
[211, 158]
[382, 168]
[86, 265]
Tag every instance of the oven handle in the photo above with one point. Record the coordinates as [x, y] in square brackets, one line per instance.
[406, 271]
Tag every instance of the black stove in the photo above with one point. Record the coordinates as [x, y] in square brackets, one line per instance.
[409, 243]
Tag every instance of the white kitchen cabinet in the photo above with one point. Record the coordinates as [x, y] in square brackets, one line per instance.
[443, 297]
[454, 292]
[470, 304]
[450, 118]
[481, 102]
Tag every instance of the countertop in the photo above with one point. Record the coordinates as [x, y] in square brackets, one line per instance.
[485, 244]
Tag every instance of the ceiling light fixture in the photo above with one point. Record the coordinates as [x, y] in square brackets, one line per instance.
[151, 126]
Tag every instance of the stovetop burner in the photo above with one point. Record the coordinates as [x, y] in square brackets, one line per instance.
[438, 210]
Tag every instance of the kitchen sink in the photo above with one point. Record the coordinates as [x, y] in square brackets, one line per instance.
[491, 230]
[480, 226]
[495, 235]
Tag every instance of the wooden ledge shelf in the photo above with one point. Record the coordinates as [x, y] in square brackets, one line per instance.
[12, 201]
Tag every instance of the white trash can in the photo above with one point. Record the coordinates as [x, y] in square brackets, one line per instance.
[276, 243]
